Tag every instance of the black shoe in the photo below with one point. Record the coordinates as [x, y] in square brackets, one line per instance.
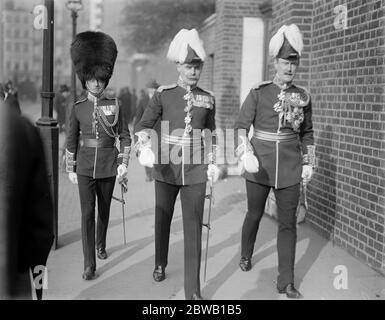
[196, 296]
[88, 274]
[245, 264]
[102, 254]
[159, 274]
[291, 292]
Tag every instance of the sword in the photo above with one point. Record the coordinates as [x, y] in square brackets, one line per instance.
[123, 188]
[207, 225]
[302, 209]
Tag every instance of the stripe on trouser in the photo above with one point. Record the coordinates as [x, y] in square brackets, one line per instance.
[192, 198]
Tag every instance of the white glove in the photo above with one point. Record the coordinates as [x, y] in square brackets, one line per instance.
[143, 148]
[146, 157]
[213, 172]
[143, 139]
[250, 162]
[307, 172]
[73, 177]
[122, 171]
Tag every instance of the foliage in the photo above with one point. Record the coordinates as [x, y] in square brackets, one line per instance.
[151, 24]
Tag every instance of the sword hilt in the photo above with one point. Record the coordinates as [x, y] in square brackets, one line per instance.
[207, 225]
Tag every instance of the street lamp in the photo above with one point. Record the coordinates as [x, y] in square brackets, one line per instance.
[47, 124]
[74, 6]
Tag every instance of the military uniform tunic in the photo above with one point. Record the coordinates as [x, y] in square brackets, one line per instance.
[280, 162]
[98, 159]
[168, 104]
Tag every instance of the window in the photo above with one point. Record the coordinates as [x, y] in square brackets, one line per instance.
[26, 66]
[17, 33]
[17, 47]
[9, 65]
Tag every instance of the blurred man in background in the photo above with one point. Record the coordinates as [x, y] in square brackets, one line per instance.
[9, 96]
[26, 207]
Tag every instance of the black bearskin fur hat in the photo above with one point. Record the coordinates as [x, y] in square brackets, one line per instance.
[93, 54]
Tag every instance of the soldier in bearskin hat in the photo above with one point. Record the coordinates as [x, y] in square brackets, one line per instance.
[185, 109]
[97, 130]
[283, 145]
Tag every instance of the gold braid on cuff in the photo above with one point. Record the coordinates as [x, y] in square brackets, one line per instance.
[70, 162]
[309, 157]
[125, 155]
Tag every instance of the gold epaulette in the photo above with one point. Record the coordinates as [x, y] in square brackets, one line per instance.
[80, 101]
[261, 84]
[211, 93]
[167, 87]
[303, 88]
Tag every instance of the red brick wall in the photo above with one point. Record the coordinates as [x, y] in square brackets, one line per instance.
[344, 71]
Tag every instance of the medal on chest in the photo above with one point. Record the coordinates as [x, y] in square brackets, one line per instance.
[290, 109]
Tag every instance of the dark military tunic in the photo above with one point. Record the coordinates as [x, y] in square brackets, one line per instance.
[91, 148]
[280, 162]
[168, 105]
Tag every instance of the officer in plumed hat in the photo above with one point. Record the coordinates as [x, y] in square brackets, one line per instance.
[184, 111]
[99, 142]
[283, 145]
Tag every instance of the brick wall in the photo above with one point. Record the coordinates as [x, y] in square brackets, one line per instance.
[207, 34]
[228, 54]
[344, 71]
[347, 84]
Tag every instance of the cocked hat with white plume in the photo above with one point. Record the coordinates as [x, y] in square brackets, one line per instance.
[287, 43]
[186, 47]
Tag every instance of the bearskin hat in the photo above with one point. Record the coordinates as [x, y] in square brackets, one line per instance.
[93, 54]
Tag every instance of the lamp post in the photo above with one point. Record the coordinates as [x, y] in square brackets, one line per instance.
[74, 6]
[47, 124]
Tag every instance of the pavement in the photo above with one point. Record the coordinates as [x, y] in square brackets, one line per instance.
[323, 271]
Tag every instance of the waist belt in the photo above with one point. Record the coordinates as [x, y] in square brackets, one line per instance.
[271, 136]
[97, 143]
[182, 141]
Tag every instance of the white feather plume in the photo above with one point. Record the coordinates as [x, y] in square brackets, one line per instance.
[292, 34]
[177, 52]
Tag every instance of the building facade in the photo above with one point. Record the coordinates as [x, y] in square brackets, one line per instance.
[17, 44]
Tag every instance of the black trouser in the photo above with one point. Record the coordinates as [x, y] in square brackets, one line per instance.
[192, 198]
[287, 201]
[89, 188]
